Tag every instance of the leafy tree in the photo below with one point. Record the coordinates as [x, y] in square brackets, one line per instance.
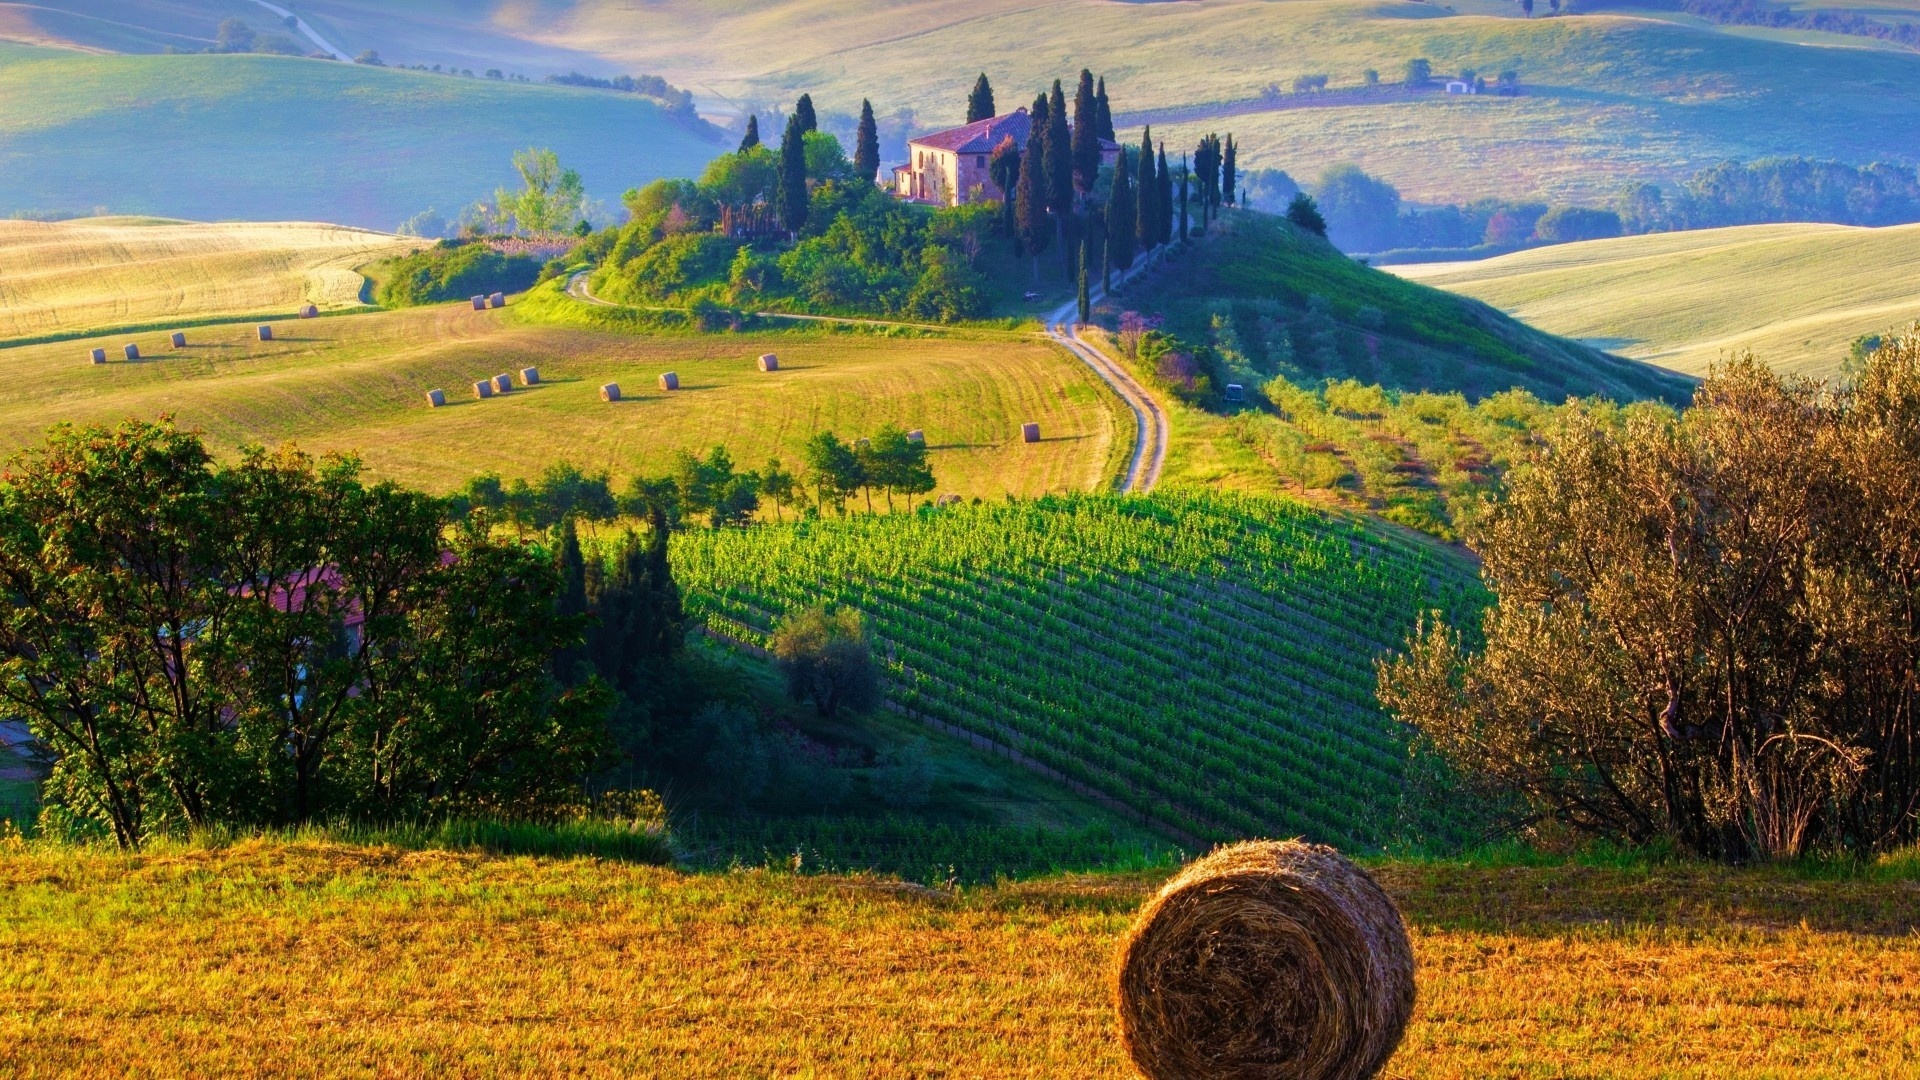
[1086, 134]
[1102, 113]
[639, 622]
[551, 199]
[454, 270]
[234, 36]
[897, 464]
[1419, 73]
[803, 111]
[778, 484]
[1362, 213]
[1004, 167]
[1565, 224]
[827, 661]
[739, 179]
[980, 100]
[866, 145]
[1305, 214]
[790, 194]
[711, 486]
[370, 58]
[825, 160]
[833, 470]
[752, 137]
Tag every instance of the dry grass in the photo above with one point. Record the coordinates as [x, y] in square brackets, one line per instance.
[322, 960]
[106, 272]
[359, 384]
[1796, 295]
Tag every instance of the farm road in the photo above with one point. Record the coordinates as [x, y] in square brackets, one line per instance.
[306, 31]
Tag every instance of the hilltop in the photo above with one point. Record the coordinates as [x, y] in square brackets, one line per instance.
[1796, 295]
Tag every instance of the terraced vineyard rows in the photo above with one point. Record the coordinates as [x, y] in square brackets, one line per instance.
[1203, 658]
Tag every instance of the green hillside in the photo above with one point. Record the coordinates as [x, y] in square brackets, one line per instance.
[272, 138]
[1204, 659]
[1796, 295]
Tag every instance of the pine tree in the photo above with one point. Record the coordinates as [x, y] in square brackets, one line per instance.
[866, 143]
[804, 110]
[1226, 172]
[1163, 198]
[1121, 204]
[1086, 301]
[1030, 207]
[980, 102]
[790, 188]
[1103, 116]
[1146, 217]
[752, 138]
[1185, 176]
[1086, 134]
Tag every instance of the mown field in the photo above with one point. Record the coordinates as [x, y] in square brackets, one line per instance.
[359, 384]
[276, 138]
[98, 273]
[1796, 295]
[310, 959]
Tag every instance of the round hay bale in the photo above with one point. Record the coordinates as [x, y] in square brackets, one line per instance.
[669, 381]
[502, 383]
[1030, 432]
[610, 392]
[436, 398]
[769, 362]
[98, 356]
[309, 311]
[1266, 961]
[498, 300]
[483, 389]
[530, 376]
[916, 435]
[132, 351]
[179, 340]
[265, 332]
[479, 303]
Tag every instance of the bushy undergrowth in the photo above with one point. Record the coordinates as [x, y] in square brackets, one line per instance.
[455, 270]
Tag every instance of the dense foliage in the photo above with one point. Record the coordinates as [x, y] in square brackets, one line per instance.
[1777, 189]
[1705, 627]
[454, 270]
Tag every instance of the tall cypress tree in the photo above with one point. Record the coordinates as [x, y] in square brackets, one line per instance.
[1103, 115]
[1185, 177]
[866, 143]
[1085, 298]
[804, 110]
[980, 101]
[1226, 171]
[1100, 233]
[752, 138]
[1059, 154]
[1146, 185]
[1030, 207]
[1121, 205]
[1163, 198]
[1004, 167]
[572, 601]
[1038, 113]
[1086, 134]
[790, 187]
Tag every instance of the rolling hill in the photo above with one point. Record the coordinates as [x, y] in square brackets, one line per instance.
[278, 138]
[1796, 295]
[97, 273]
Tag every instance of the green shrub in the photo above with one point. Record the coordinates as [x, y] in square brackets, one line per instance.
[455, 270]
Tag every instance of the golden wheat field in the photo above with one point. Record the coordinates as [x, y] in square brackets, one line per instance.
[94, 273]
[286, 958]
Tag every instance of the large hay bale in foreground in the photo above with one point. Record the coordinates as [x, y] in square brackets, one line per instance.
[669, 381]
[436, 398]
[530, 376]
[1266, 961]
[769, 362]
[502, 383]
[480, 303]
[179, 339]
[265, 332]
[132, 351]
[610, 392]
[498, 300]
[483, 389]
[1030, 432]
[98, 356]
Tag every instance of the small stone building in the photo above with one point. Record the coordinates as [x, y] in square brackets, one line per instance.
[952, 167]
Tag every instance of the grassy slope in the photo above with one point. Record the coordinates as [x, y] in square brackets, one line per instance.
[1794, 294]
[330, 960]
[270, 138]
[358, 384]
[107, 272]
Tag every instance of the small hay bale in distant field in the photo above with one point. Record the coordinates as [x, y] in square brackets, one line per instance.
[479, 303]
[1030, 432]
[502, 383]
[308, 311]
[483, 389]
[179, 339]
[436, 398]
[1266, 961]
[610, 392]
[916, 435]
[769, 362]
[265, 332]
[530, 376]
[498, 299]
[669, 381]
[132, 351]
[98, 356]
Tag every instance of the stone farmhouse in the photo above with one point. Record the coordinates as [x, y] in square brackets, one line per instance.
[949, 168]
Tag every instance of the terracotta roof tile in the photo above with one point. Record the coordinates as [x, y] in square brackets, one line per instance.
[981, 136]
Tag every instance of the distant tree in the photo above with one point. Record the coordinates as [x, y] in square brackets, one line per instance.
[1370, 77]
[1031, 223]
[866, 145]
[370, 58]
[980, 100]
[551, 199]
[779, 485]
[1419, 73]
[824, 654]
[234, 36]
[1060, 159]
[1121, 205]
[1103, 113]
[1228, 176]
[1084, 296]
[833, 470]
[1303, 212]
[1185, 183]
[1146, 189]
[1643, 208]
[790, 193]
[1086, 134]
[1004, 167]
[896, 464]
[1362, 212]
[1206, 176]
[803, 109]
[1554, 5]
[640, 624]
[752, 138]
[1566, 224]
[571, 566]
[1527, 6]
[1163, 198]
[712, 486]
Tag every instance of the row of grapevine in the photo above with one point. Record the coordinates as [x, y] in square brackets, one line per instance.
[1204, 658]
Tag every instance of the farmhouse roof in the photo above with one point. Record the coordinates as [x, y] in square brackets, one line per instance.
[981, 136]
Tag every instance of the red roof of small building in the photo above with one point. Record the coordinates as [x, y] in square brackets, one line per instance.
[981, 136]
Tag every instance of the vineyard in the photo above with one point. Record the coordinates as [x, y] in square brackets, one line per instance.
[1200, 661]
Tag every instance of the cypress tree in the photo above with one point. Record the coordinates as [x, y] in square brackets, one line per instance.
[572, 601]
[1106, 253]
[1185, 172]
[790, 188]
[1086, 301]
[1038, 114]
[1120, 209]
[980, 101]
[1086, 134]
[752, 138]
[804, 110]
[1059, 154]
[1103, 116]
[1004, 167]
[866, 142]
[1163, 198]
[1146, 218]
[1037, 139]
[1226, 172]
[1030, 208]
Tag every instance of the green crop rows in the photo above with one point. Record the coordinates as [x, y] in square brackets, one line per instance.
[1204, 658]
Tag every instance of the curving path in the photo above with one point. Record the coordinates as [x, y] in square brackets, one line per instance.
[306, 31]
